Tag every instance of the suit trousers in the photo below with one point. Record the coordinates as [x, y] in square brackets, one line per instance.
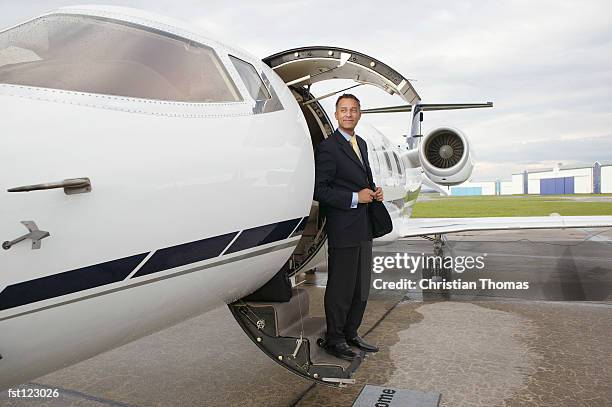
[348, 286]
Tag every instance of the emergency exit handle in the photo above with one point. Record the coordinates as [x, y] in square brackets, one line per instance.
[70, 186]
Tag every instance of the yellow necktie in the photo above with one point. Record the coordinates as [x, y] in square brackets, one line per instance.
[354, 144]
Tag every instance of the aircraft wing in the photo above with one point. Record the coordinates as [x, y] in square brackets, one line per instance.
[431, 226]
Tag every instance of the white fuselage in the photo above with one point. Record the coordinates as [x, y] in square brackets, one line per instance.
[157, 182]
[169, 181]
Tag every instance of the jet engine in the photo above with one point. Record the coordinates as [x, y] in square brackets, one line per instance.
[444, 155]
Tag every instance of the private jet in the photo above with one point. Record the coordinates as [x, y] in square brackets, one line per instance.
[152, 173]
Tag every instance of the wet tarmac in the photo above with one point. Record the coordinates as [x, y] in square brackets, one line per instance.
[546, 346]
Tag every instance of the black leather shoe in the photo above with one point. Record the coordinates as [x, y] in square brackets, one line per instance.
[341, 350]
[361, 344]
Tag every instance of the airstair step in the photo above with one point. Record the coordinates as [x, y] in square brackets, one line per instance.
[314, 329]
[286, 314]
[276, 328]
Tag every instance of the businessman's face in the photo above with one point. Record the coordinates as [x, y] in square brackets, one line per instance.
[347, 114]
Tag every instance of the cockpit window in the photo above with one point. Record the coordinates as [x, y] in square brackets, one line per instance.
[95, 55]
[251, 79]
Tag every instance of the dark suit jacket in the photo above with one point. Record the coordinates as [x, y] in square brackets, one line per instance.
[339, 173]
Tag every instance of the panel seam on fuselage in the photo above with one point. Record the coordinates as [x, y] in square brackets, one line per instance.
[160, 278]
[142, 263]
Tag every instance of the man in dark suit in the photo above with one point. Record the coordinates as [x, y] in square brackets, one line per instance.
[344, 188]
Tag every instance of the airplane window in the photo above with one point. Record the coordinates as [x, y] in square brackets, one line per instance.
[96, 55]
[384, 171]
[374, 159]
[251, 79]
[399, 167]
[388, 162]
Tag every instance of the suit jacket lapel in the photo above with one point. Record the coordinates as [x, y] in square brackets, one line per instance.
[348, 149]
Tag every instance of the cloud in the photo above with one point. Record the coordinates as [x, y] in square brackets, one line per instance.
[547, 65]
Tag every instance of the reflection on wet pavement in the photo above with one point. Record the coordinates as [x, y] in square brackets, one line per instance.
[513, 349]
[489, 354]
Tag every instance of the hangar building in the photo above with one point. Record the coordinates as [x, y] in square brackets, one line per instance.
[561, 179]
[565, 180]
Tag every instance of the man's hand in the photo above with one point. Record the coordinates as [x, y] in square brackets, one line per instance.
[365, 195]
[378, 194]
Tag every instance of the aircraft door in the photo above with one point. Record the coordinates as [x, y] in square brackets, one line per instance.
[307, 65]
[63, 205]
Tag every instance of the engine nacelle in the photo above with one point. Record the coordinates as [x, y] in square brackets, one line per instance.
[444, 155]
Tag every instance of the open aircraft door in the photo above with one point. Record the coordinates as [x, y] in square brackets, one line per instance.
[278, 321]
[308, 65]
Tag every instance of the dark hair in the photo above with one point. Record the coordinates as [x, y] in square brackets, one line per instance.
[348, 96]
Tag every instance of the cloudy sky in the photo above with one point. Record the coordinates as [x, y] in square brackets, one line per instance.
[546, 65]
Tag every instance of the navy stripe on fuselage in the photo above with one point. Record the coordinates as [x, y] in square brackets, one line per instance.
[186, 253]
[68, 282]
[114, 271]
[261, 235]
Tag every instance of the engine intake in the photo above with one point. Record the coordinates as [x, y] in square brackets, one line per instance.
[444, 155]
[444, 150]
